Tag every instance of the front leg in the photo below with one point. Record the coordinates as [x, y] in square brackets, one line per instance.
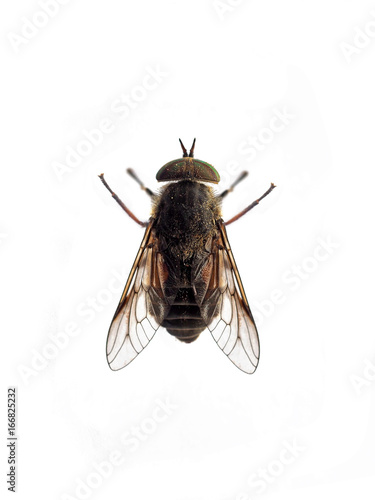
[122, 205]
[254, 204]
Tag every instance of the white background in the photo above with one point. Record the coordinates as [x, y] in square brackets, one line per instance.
[226, 72]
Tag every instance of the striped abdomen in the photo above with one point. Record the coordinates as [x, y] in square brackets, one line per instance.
[184, 319]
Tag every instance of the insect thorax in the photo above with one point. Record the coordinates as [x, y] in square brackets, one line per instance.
[185, 215]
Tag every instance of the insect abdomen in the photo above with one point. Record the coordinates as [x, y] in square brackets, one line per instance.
[184, 319]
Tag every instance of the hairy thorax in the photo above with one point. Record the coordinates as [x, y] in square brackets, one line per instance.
[185, 215]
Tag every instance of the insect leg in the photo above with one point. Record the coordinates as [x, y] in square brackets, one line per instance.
[132, 174]
[240, 178]
[254, 204]
[122, 205]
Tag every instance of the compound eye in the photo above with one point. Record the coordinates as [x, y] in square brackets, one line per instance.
[188, 168]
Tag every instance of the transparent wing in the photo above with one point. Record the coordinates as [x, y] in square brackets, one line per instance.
[226, 310]
[142, 306]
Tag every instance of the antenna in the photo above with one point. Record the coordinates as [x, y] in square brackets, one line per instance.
[183, 149]
[191, 154]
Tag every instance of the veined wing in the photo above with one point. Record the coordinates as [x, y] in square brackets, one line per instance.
[225, 308]
[142, 306]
